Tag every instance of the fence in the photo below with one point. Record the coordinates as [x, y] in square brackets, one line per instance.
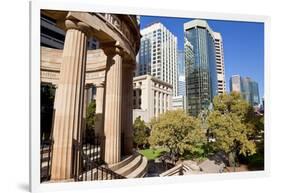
[45, 159]
[88, 162]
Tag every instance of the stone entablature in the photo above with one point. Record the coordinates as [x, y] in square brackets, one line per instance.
[51, 61]
[122, 29]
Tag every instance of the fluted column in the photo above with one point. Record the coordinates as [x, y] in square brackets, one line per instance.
[165, 102]
[127, 108]
[157, 104]
[161, 102]
[99, 109]
[69, 99]
[113, 100]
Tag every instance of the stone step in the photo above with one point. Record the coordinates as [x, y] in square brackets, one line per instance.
[141, 170]
[130, 167]
[123, 163]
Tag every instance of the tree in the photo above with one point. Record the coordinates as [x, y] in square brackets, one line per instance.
[179, 132]
[90, 122]
[91, 114]
[230, 126]
[141, 132]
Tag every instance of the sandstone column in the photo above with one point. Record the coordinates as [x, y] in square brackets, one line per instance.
[157, 104]
[113, 100]
[127, 108]
[161, 102]
[165, 102]
[69, 99]
[99, 109]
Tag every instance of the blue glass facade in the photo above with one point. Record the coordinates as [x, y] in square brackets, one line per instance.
[201, 74]
[250, 91]
[181, 74]
[145, 57]
[247, 87]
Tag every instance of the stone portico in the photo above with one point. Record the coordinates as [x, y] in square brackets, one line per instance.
[74, 68]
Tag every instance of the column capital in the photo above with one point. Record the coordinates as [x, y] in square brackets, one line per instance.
[78, 25]
[112, 48]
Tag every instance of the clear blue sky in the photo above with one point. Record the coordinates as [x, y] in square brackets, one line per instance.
[243, 45]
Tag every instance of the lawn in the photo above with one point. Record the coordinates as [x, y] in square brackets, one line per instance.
[152, 154]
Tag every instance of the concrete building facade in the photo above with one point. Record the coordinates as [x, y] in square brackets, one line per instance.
[151, 97]
[158, 54]
[220, 62]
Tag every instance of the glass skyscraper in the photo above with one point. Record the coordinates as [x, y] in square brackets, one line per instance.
[201, 74]
[181, 74]
[247, 87]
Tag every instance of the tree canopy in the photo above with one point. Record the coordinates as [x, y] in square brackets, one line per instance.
[231, 125]
[141, 132]
[179, 132]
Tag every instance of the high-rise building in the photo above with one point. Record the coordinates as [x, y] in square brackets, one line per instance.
[247, 87]
[158, 54]
[181, 74]
[201, 73]
[220, 62]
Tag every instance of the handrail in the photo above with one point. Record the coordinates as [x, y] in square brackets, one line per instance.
[88, 162]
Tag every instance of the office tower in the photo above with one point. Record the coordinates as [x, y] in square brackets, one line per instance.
[247, 87]
[158, 54]
[220, 62]
[181, 74]
[201, 73]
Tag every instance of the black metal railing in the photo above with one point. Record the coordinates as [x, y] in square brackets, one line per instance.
[46, 148]
[88, 163]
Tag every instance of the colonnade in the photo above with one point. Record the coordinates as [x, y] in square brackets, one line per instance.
[113, 101]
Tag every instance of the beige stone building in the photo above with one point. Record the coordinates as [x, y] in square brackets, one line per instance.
[151, 97]
[74, 69]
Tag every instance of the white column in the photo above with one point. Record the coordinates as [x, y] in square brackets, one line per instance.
[69, 105]
[113, 100]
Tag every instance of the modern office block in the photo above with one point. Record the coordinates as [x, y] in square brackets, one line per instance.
[158, 54]
[181, 74]
[247, 87]
[220, 62]
[201, 69]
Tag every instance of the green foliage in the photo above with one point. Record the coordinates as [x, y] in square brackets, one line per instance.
[91, 115]
[141, 132]
[179, 132]
[232, 125]
[152, 154]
